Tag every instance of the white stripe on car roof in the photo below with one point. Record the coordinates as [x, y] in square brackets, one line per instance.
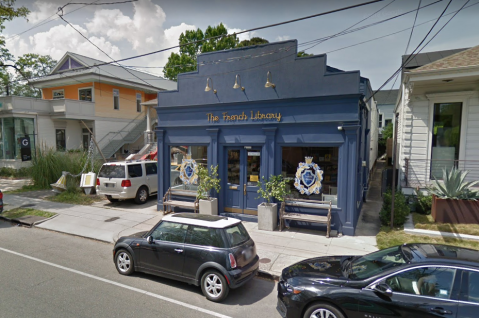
[226, 222]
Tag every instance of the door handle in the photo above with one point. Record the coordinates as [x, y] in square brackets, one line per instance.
[441, 311]
[244, 189]
[178, 250]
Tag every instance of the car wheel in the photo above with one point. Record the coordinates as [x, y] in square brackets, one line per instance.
[124, 262]
[321, 310]
[111, 199]
[214, 286]
[141, 195]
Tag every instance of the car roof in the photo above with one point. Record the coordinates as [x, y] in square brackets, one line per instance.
[212, 221]
[437, 252]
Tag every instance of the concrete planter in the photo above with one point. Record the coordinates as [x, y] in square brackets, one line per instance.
[267, 216]
[209, 207]
[455, 211]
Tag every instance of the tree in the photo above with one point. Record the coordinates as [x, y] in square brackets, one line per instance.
[30, 66]
[304, 54]
[253, 41]
[185, 61]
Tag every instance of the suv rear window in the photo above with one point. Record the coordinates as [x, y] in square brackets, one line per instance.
[237, 234]
[112, 171]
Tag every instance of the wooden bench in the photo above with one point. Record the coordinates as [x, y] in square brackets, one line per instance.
[169, 202]
[305, 217]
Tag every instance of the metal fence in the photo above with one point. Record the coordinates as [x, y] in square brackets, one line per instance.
[421, 172]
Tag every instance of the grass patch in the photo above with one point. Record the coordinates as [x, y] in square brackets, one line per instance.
[387, 238]
[426, 222]
[19, 212]
[75, 197]
[26, 188]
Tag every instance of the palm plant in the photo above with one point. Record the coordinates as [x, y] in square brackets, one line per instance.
[454, 186]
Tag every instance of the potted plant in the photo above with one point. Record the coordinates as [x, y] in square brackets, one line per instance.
[276, 188]
[453, 199]
[208, 180]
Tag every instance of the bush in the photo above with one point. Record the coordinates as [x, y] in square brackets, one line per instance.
[401, 209]
[423, 203]
[13, 173]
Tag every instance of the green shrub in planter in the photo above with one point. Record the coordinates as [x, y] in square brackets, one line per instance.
[401, 209]
[423, 203]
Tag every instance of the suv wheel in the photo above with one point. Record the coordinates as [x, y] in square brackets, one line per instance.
[322, 310]
[111, 199]
[141, 195]
[214, 286]
[124, 262]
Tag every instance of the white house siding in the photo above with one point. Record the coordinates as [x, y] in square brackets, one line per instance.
[472, 139]
[373, 135]
[73, 135]
[46, 132]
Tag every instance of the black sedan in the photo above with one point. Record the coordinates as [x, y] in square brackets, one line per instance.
[411, 280]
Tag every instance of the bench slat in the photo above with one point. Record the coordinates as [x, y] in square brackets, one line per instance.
[180, 203]
[184, 193]
[305, 217]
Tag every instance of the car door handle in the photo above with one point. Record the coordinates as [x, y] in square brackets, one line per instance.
[178, 250]
[441, 311]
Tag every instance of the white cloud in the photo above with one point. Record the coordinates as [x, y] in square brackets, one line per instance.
[46, 9]
[242, 36]
[60, 39]
[283, 38]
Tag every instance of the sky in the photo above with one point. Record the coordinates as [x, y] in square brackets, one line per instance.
[127, 29]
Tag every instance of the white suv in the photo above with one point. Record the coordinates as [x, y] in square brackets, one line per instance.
[128, 180]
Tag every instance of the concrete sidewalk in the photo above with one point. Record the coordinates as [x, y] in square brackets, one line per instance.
[275, 249]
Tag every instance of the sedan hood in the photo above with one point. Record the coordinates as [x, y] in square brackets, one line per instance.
[328, 267]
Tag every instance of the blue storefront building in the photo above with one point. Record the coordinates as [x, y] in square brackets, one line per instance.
[260, 111]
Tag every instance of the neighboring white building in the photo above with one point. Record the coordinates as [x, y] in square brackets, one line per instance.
[80, 95]
[386, 102]
[438, 113]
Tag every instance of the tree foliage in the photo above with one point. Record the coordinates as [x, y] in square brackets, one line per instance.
[208, 180]
[275, 187]
[253, 41]
[30, 66]
[185, 61]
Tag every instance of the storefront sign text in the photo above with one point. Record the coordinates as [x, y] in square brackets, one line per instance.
[255, 116]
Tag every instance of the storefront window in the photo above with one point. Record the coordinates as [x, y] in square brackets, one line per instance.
[11, 130]
[177, 154]
[327, 160]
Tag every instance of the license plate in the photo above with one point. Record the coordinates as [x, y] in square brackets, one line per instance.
[109, 185]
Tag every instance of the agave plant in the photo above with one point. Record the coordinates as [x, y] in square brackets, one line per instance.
[454, 186]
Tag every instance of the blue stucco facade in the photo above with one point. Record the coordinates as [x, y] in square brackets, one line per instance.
[311, 105]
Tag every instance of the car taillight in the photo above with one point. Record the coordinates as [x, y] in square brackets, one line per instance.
[125, 183]
[97, 181]
[1, 195]
[232, 261]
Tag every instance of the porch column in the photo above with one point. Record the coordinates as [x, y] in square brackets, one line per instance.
[161, 167]
[351, 170]
[267, 161]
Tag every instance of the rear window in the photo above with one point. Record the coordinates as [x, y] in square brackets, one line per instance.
[135, 171]
[112, 171]
[237, 234]
[204, 236]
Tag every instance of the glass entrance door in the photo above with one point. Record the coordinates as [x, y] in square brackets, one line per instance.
[243, 173]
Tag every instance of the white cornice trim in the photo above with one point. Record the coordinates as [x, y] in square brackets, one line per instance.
[463, 94]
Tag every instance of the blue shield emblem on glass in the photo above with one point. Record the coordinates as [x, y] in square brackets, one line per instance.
[189, 171]
[308, 178]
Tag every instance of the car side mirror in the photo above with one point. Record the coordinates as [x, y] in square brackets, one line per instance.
[149, 239]
[384, 289]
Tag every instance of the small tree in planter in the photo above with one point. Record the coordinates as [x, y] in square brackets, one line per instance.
[453, 199]
[275, 187]
[208, 180]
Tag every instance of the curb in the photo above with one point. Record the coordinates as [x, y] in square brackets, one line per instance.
[410, 229]
[26, 223]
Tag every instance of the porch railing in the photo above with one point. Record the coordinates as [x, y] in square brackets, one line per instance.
[421, 172]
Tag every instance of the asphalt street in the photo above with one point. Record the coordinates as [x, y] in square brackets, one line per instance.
[49, 274]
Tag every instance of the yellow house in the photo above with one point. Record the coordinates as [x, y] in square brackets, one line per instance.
[82, 96]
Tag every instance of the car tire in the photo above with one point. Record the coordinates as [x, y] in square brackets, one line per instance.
[111, 199]
[141, 195]
[124, 262]
[214, 286]
[322, 310]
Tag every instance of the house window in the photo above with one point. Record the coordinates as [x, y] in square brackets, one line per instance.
[12, 129]
[177, 154]
[380, 121]
[327, 160]
[85, 94]
[86, 136]
[446, 137]
[387, 122]
[138, 101]
[58, 93]
[116, 99]
[60, 139]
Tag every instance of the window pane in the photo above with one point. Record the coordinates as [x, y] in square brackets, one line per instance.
[23, 127]
[151, 168]
[135, 171]
[170, 232]
[112, 171]
[253, 167]
[237, 234]
[60, 139]
[325, 157]
[177, 154]
[138, 106]
[204, 236]
[234, 166]
[85, 94]
[473, 287]
[426, 281]
[57, 94]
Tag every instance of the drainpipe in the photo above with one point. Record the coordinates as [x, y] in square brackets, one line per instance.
[393, 192]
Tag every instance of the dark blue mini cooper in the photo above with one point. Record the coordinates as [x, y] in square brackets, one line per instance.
[411, 280]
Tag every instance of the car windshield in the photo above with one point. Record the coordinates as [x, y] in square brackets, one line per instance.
[374, 263]
[237, 234]
[112, 171]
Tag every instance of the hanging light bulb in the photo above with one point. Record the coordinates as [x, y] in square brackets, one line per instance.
[268, 81]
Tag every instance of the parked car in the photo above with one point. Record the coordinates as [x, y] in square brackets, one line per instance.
[1, 201]
[411, 280]
[128, 180]
[210, 251]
